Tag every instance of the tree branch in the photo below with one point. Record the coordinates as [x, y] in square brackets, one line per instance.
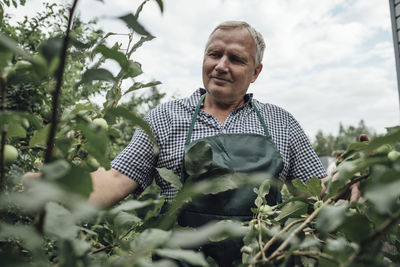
[308, 220]
[275, 237]
[57, 90]
[314, 255]
[3, 84]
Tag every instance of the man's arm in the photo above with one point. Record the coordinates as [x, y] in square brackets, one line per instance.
[110, 187]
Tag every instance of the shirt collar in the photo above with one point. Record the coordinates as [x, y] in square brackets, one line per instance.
[192, 100]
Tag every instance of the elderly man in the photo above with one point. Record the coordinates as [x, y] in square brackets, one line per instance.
[245, 135]
[224, 110]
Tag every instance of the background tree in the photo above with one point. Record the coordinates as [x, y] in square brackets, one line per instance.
[324, 145]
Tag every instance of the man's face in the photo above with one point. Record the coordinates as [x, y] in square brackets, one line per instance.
[228, 64]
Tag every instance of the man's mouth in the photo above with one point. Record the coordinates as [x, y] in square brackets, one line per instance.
[220, 79]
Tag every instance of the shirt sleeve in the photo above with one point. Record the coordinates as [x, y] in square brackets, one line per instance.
[138, 160]
[304, 162]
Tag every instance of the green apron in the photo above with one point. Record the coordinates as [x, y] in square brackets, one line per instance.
[245, 153]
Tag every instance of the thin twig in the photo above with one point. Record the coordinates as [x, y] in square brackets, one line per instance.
[126, 53]
[314, 255]
[275, 237]
[57, 90]
[285, 243]
[102, 249]
[260, 237]
[3, 134]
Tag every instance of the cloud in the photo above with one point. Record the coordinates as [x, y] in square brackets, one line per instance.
[326, 61]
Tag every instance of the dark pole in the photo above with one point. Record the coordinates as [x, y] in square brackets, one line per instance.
[395, 15]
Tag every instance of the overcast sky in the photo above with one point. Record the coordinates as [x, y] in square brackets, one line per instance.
[326, 62]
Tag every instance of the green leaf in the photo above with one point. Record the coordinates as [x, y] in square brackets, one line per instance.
[312, 186]
[11, 122]
[9, 45]
[189, 238]
[16, 130]
[34, 199]
[81, 247]
[111, 113]
[91, 75]
[356, 227]
[77, 180]
[354, 147]
[170, 177]
[134, 69]
[219, 183]
[138, 85]
[96, 144]
[126, 219]
[132, 23]
[160, 5]
[72, 178]
[149, 239]
[58, 222]
[113, 53]
[292, 209]
[189, 256]
[130, 205]
[39, 138]
[331, 217]
[383, 196]
[26, 233]
[197, 158]
[51, 49]
[139, 43]
[391, 138]
[55, 170]
[139, 9]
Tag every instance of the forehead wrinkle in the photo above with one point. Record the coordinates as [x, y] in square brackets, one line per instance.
[252, 45]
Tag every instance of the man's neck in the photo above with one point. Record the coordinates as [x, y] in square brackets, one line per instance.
[221, 110]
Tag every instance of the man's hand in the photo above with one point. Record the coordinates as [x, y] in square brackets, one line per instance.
[355, 192]
[109, 187]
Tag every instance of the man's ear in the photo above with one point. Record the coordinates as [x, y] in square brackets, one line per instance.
[256, 72]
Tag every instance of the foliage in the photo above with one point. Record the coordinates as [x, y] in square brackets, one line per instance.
[50, 223]
[325, 145]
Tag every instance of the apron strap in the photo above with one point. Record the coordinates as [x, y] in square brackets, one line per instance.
[261, 119]
[196, 112]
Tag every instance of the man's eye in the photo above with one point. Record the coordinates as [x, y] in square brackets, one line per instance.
[213, 54]
[237, 60]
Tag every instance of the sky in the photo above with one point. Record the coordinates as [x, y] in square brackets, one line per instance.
[326, 62]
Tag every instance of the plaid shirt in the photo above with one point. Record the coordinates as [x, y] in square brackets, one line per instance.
[171, 121]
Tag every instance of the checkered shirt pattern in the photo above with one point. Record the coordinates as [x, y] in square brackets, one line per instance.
[171, 121]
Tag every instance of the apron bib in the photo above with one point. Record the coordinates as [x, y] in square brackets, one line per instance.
[244, 153]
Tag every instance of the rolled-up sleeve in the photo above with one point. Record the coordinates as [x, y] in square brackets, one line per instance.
[304, 162]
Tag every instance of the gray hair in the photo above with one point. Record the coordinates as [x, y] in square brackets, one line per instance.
[257, 37]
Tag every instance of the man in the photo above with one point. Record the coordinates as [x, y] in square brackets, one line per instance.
[232, 61]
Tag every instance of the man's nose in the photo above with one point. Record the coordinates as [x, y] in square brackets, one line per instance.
[222, 64]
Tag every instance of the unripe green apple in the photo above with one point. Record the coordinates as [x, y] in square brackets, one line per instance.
[264, 209]
[25, 123]
[246, 250]
[38, 163]
[10, 154]
[393, 155]
[102, 123]
[383, 149]
[92, 163]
